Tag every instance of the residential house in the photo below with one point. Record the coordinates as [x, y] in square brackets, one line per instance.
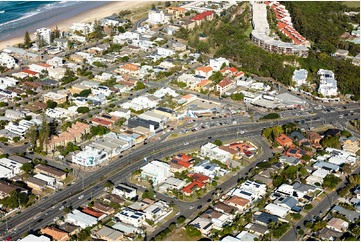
[223, 208]
[246, 236]
[337, 224]
[130, 216]
[157, 171]
[73, 134]
[277, 210]
[157, 211]
[214, 152]
[315, 138]
[299, 77]
[90, 156]
[51, 171]
[329, 234]
[164, 52]
[156, 16]
[103, 208]
[264, 218]
[40, 67]
[57, 73]
[225, 85]
[55, 233]
[32, 237]
[205, 71]
[218, 219]
[204, 16]
[204, 225]
[293, 161]
[209, 169]
[256, 229]
[80, 219]
[7, 61]
[328, 84]
[125, 191]
[129, 69]
[250, 190]
[171, 183]
[36, 183]
[193, 186]
[241, 204]
[351, 144]
[13, 114]
[97, 214]
[109, 234]
[217, 64]
[284, 141]
[297, 136]
[55, 97]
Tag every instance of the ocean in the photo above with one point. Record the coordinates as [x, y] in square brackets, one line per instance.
[16, 17]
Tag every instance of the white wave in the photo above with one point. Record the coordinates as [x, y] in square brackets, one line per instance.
[42, 9]
[2, 11]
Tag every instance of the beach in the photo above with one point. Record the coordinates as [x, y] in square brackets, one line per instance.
[106, 9]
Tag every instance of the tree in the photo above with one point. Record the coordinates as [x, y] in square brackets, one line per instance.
[181, 219]
[308, 206]
[271, 116]
[343, 192]
[237, 96]
[167, 4]
[139, 86]
[51, 104]
[82, 109]
[27, 40]
[27, 167]
[120, 122]
[16, 139]
[108, 184]
[216, 77]
[218, 142]
[44, 133]
[330, 141]
[85, 93]
[331, 181]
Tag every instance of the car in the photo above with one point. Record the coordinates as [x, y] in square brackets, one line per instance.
[178, 213]
[209, 200]
[209, 137]
[191, 207]
[241, 132]
[199, 206]
[80, 197]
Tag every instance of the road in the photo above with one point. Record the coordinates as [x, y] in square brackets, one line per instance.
[119, 168]
[321, 207]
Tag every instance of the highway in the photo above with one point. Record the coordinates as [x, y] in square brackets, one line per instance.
[119, 168]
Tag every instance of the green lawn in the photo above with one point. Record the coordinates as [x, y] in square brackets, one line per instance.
[352, 4]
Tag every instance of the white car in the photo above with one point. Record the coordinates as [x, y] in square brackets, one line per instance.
[80, 197]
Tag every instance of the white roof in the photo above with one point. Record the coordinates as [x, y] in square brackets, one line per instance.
[32, 237]
[4, 171]
[81, 218]
[277, 210]
[246, 236]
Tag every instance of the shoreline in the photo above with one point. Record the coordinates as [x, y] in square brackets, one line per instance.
[87, 16]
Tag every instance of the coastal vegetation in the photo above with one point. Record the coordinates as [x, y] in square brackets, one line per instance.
[225, 38]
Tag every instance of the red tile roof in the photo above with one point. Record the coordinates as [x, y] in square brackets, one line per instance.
[29, 72]
[101, 121]
[204, 69]
[189, 189]
[44, 65]
[224, 83]
[92, 212]
[199, 177]
[203, 15]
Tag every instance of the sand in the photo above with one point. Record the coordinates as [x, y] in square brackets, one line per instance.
[88, 16]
